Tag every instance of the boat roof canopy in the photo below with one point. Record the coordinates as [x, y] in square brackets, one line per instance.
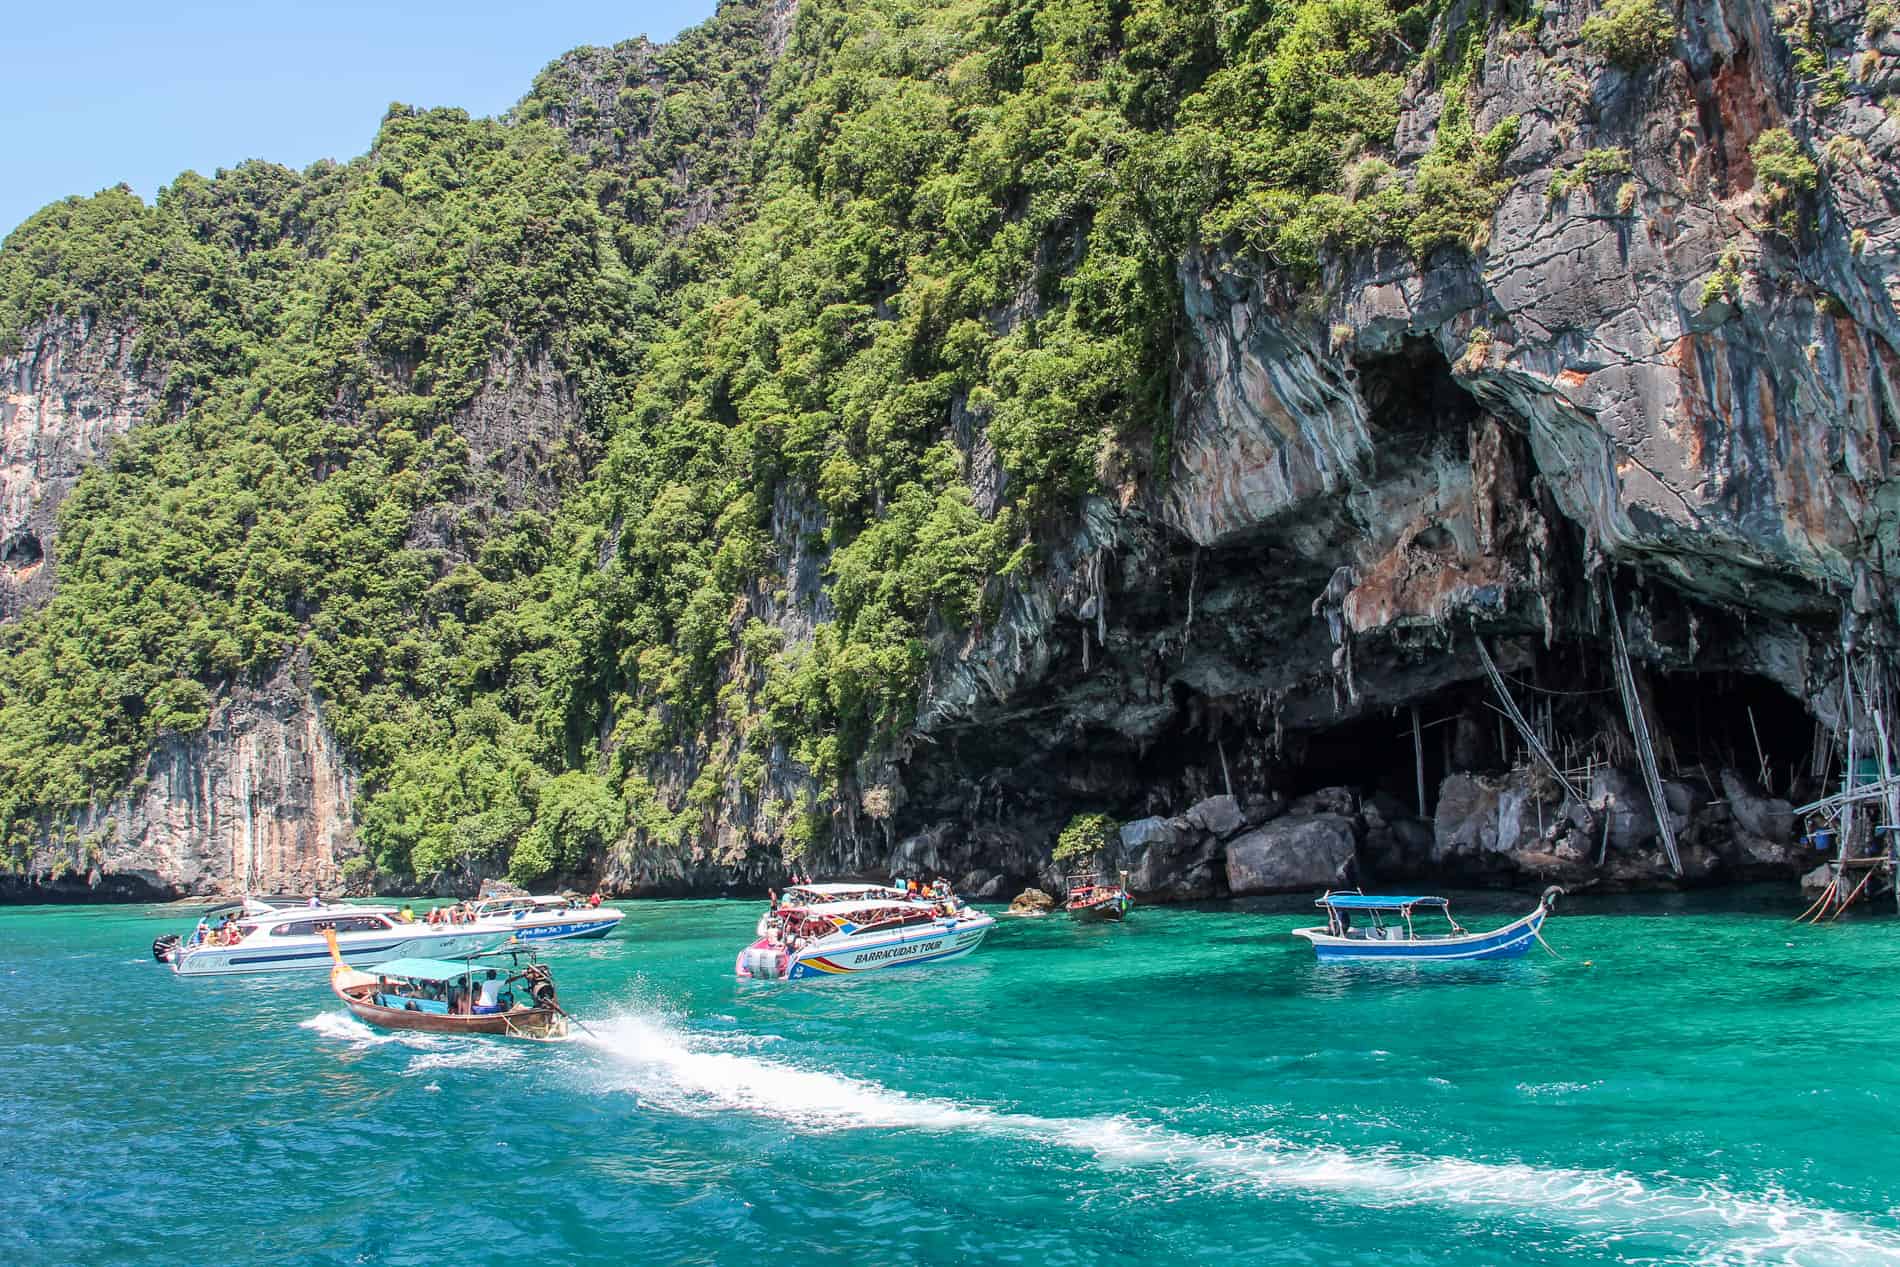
[863, 904]
[827, 890]
[1376, 902]
[421, 969]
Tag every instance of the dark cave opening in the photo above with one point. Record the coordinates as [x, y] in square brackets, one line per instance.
[1414, 404]
[22, 550]
[1737, 720]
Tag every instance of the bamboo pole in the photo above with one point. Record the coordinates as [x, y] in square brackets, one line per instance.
[1639, 731]
[1418, 759]
[1523, 727]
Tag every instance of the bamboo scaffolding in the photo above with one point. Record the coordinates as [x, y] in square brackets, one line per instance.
[1639, 731]
[1524, 730]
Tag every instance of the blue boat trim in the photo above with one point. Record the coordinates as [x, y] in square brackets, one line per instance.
[1512, 941]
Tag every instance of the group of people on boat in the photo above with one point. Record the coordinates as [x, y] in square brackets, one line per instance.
[471, 996]
[226, 932]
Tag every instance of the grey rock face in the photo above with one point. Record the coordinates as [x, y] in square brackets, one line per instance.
[1767, 819]
[261, 800]
[1219, 816]
[71, 388]
[1291, 854]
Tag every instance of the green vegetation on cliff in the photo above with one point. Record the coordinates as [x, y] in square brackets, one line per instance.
[791, 297]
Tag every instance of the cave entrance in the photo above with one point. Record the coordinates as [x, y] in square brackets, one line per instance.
[1741, 721]
[1414, 405]
[1375, 756]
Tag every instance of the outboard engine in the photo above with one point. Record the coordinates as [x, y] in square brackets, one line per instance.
[163, 948]
[767, 962]
[540, 984]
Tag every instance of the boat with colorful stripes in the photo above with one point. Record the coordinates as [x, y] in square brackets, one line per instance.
[844, 938]
[1090, 899]
[1388, 932]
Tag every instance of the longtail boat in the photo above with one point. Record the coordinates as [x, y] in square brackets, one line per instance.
[1090, 899]
[475, 995]
[1388, 932]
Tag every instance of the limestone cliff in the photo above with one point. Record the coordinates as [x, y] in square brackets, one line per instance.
[1658, 388]
[71, 387]
[1370, 471]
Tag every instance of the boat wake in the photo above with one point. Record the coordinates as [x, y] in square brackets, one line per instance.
[346, 1028]
[435, 1051]
[1703, 1221]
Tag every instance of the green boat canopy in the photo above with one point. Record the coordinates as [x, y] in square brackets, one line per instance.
[420, 970]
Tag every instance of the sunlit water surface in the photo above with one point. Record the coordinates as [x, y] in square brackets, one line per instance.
[1694, 1081]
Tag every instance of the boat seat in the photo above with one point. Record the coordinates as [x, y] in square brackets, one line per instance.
[402, 1004]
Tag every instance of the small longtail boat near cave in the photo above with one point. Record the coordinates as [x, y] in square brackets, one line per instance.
[840, 938]
[1090, 899]
[474, 995]
[1388, 931]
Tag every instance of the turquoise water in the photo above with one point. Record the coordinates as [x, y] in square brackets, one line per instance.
[1690, 1083]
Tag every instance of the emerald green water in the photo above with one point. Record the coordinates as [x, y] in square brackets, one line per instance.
[1690, 1083]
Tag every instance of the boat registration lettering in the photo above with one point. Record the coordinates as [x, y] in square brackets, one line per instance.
[900, 952]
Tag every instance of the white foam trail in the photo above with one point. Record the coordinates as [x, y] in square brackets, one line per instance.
[342, 1025]
[479, 1055]
[1703, 1220]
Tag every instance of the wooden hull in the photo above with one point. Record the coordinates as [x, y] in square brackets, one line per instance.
[1111, 907]
[520, 1022]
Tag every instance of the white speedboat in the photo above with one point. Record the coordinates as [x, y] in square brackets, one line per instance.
[545, 918]
[285, 938]
[844, 937]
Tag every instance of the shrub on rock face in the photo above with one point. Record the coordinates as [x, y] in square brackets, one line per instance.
[1085, 836]
[1782, 174]
[1630, 33]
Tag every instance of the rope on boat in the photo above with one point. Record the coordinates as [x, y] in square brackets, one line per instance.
[1546, 945]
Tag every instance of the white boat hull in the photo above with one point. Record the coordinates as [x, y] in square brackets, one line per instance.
[287, 954]
[553, 926]
[939, 942]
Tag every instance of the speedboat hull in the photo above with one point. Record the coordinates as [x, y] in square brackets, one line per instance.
[577, 926]
[843, 955]
[1512, 941]
[256, 954]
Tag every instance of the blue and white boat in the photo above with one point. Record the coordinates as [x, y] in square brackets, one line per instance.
[545, 918]
[1388, 932]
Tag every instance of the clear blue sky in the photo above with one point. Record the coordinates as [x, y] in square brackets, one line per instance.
[95, 92]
